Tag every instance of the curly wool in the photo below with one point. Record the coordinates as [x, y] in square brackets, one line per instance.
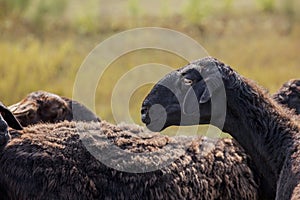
[49, 161]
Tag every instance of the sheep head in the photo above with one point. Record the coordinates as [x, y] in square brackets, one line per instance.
[185, 96]
[47, 107]
[41, 106]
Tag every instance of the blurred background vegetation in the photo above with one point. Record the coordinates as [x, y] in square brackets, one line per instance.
[44, 42]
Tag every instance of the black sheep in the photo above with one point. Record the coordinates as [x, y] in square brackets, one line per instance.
[268, 132]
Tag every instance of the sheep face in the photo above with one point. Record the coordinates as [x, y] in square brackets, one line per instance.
[183, 97]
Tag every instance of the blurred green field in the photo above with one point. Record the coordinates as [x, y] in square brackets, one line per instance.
[43, 43]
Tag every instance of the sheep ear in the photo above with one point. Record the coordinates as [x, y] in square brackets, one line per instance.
[21, 108]
[190, 102]
[9, 118]
[200, 93]
[205, 97]
[212, 84]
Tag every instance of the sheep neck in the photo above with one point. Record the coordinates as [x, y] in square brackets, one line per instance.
[260, 126]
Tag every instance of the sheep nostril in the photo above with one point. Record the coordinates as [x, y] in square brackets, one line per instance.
[146, 119]
[144, 110]
[145, 114]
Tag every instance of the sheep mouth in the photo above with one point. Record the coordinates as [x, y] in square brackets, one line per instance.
[172, 115]
[160, 117]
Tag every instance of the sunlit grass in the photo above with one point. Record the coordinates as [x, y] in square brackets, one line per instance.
[269, 58]
[28, 65]
[31, 64]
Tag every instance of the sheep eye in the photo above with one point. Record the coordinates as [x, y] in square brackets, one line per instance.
[187, 81]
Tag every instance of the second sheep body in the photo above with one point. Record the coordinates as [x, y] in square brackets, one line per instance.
[49, 161]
